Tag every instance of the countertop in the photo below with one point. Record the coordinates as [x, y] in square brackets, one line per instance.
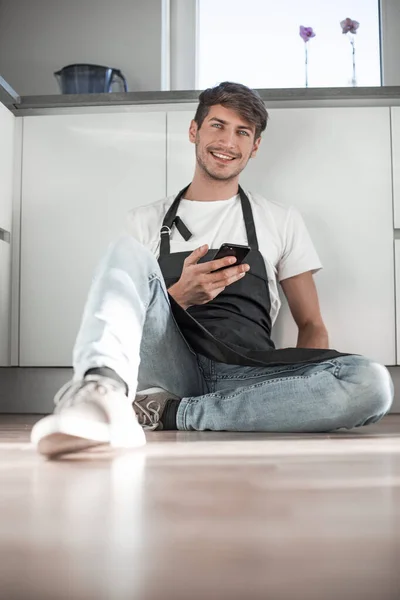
[21, 105]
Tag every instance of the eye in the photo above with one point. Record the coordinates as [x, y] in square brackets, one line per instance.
[243, 131]
[216, 125]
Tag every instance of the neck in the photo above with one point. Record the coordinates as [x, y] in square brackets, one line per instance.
[205, 189]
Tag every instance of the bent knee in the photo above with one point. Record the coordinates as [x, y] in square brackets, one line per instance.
[127, 249]
[376, 387]
[127, 243]
[369, 388]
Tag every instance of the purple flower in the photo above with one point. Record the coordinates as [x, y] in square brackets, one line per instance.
[306, 33]
[349, 26]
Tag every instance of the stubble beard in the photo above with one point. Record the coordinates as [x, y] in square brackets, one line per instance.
[214, 175]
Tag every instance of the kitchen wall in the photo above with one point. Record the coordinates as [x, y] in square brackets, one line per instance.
[38, 37]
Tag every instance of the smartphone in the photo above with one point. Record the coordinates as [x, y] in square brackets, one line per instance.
[240, 252]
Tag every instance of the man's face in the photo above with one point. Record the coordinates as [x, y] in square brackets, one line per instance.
[224, 143]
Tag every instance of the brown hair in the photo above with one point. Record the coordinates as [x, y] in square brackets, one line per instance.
[245, 101]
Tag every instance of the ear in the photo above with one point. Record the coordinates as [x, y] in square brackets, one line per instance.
[255, 147]
[193, 131]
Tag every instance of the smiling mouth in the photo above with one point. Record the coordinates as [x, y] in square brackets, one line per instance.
[223, 157]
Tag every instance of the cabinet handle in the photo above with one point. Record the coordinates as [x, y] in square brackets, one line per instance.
[5, 236]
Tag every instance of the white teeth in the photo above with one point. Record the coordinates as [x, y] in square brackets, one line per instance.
[222, 156]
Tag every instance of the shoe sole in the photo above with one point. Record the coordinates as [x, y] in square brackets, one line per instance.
[57, 444]
[55, 435]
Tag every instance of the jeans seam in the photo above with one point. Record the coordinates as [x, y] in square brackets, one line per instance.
[337, 370]
[151, 278]
[183, 406]
[254, 386]
[213, 374]
[289, 369]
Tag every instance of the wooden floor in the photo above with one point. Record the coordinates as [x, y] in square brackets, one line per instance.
[203, 516]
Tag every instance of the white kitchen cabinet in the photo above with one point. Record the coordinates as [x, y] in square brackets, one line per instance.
[395, 121]
[81, 175]
[334, 165]
[7, 129]
[5, 302]
[7, 125]
[397, 265]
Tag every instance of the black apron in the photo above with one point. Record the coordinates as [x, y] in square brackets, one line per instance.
[235, 327]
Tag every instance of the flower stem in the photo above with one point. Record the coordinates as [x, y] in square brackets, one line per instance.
[306, 64]
[354, 80]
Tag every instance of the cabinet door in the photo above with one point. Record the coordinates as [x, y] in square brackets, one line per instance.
[81, 175]
[397, 264]
[7, 123]
[5, 303]
[395, 121]
[334, 165]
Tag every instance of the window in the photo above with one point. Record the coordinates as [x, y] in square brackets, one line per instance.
[257, 42]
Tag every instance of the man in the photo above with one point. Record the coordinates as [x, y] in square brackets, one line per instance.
[184, 338]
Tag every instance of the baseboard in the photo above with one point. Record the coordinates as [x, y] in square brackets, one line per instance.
[32, 389]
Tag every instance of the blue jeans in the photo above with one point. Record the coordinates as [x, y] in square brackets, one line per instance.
[128, 326]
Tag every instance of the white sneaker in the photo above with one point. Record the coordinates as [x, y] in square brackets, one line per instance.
[91, 412]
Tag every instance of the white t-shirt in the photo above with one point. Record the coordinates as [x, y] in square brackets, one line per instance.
[283, 239]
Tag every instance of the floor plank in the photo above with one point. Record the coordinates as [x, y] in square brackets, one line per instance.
[197, 515]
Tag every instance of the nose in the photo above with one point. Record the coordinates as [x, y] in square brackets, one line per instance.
[227, 138]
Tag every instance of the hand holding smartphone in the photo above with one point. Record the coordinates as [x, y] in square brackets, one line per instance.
[236, 250]
[198, 284]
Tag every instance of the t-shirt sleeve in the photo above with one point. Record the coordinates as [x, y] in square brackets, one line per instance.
[144, 223]
[299, 254]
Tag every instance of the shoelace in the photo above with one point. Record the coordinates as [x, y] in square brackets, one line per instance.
[150, 417]
[77, 389]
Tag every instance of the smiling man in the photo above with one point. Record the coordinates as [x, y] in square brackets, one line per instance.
[226, 163]
[174, 338]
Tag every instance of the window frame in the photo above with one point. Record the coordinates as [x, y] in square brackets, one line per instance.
[184, 48]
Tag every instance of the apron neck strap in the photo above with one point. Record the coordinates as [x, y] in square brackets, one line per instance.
[248, 220]
[168, 222]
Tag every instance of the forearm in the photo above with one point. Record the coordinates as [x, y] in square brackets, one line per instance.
[313, 336]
